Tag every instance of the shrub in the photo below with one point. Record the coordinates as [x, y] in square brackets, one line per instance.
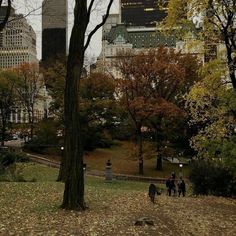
[213, 178]
[9, 158]
[34, 146]
[14, 173]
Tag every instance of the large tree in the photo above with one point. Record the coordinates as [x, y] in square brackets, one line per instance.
[97, 108]
[54, 75]
[152, 88]
[72, 173]
[7, 100]
[217, 19]
[212, 106]
[28, 86]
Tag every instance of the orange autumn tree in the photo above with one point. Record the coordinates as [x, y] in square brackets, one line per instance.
[28, 85]
[176, 73]
[148, 87]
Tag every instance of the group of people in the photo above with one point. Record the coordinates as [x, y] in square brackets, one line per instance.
[171, 186]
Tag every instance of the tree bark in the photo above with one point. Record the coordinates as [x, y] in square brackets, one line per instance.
[140, 149]
[3, 128]
[32, 123]
[72, 164]
[157, 126]
[72, 171]
[231, 62]
[159, 162]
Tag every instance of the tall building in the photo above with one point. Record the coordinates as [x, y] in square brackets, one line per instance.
[54, 28]
[143, 12]
[3, 12]
[17, 41]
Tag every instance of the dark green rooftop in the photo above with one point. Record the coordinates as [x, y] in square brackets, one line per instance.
[140, 37]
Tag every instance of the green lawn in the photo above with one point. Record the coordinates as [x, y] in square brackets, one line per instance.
[124, 162]
[32, 208]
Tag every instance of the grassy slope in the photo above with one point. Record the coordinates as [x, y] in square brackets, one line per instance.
[33, 209]
[123, 161]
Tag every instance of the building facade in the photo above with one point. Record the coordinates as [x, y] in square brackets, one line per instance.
[121, 38]
[143, 12]
[54, 28]
[17, 42]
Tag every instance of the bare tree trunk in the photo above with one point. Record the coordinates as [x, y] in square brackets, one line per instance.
[72, 164]
[157, 126]
[32, 124]
[231, 62]
[3, 128]
[140, 150]
[72, 171]
[60, 175]
[159, 161]
[30, 116]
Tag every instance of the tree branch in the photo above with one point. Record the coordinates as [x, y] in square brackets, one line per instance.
[99, 25]
[90, 9]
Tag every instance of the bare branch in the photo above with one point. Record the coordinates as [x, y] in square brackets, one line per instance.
[26, 15]
[99, 25]
[90, 8]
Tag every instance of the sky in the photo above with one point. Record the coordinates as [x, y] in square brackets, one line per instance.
[35, 20]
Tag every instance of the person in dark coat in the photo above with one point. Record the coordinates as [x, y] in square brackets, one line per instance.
[170, 184]
[152, 191]
[108, 162]
[181, 187]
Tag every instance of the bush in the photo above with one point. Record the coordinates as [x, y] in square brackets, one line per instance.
[13, 173]
[8, 158]
[212, 178]
[8, 170]
[34, 146]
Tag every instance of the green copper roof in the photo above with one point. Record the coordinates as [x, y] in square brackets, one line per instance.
[140, 37]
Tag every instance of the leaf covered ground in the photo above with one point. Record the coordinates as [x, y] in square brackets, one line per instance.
[32, 208]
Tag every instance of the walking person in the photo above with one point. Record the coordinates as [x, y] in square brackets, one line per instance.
[168, 186]
[181, 187]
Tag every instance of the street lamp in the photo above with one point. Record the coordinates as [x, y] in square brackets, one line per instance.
[180, 170]
[62, 150]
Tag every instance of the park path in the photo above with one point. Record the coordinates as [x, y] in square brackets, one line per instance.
[55, 164]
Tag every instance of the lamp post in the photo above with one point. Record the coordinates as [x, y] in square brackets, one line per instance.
[108, 171]
[180, 170]
[62, 151]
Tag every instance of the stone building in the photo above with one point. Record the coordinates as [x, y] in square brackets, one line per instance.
[18, 46]
[17, 42]
[121, 38]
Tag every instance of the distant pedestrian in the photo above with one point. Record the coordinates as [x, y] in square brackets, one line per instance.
[152, 191]
[181, 187]
[173, 175]
[108, 162]
[170, 184]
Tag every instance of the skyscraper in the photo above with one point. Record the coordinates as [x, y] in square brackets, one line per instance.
[17, 41]
[142, 12]
[54, 28]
